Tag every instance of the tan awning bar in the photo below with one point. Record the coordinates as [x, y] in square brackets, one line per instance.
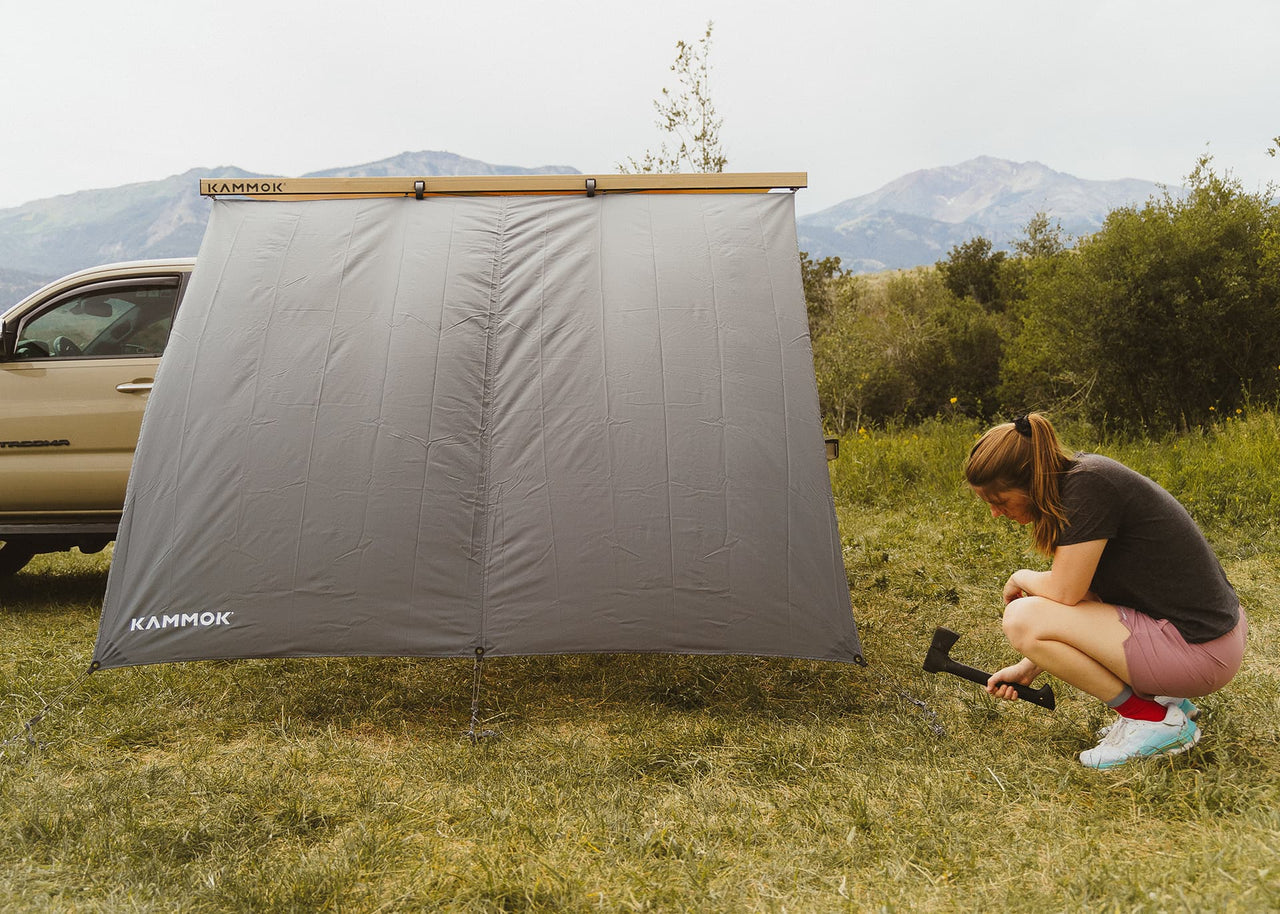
[461, 185]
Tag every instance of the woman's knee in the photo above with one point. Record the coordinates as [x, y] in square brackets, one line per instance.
[1022, 618]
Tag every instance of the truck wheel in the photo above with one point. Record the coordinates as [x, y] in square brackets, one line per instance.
[12, 557]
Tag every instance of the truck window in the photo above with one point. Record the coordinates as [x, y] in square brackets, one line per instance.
[130, 321]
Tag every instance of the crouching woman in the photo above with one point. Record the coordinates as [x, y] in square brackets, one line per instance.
[1135, 608]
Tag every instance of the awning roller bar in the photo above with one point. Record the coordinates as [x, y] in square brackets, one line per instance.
[461, 185]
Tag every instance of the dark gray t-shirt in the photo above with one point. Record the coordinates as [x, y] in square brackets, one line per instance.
[1156, 559]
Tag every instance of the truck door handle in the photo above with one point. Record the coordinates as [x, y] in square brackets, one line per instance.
[140, 386]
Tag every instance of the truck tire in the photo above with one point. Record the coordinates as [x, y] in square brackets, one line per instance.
[13, 556]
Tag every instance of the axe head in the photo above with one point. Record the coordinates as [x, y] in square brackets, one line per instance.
[939, 656]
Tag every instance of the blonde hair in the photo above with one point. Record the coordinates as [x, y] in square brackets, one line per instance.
[1024, 454]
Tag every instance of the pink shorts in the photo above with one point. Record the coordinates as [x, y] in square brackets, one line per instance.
[1161, 663]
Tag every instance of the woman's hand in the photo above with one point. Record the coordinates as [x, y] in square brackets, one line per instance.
[1023, 672]
[1012, 591]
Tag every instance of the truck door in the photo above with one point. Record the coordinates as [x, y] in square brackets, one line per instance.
[72, 394]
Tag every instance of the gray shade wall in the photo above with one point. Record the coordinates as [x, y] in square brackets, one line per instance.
[528, 424]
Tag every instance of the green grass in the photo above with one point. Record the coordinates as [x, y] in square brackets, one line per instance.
[652, 783]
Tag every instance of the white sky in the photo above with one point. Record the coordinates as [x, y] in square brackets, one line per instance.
[855, 92]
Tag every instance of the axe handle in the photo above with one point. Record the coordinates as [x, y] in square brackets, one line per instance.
[1042, 696]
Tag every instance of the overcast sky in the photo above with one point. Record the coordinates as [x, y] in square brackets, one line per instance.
[854, 92]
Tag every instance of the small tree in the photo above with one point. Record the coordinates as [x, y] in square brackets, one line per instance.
[824, 281]
[901, 346]
[864, 357]
[687, 116]
[1042, 238]
[1037, 252]
[972, 270]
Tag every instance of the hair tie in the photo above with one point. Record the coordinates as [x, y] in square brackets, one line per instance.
[1022, 425]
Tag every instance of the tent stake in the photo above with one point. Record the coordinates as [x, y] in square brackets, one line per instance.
[28, 734]
[472, 733]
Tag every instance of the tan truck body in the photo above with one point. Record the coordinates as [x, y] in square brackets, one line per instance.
[77, 360]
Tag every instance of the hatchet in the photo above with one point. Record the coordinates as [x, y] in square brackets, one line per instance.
[938, 660]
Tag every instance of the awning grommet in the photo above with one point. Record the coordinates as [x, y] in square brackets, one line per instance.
[419, 189]
[591, 187]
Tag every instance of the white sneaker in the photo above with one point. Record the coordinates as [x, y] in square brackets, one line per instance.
[1129, 739]
[1184, 704]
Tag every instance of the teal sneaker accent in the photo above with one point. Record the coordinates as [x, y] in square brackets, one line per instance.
[1130, 739]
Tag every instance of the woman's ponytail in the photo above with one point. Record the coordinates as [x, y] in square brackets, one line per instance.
[1048, 461]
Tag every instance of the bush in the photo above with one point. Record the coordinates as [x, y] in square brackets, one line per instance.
[901, 346]
[973, 270]
[1166, 316]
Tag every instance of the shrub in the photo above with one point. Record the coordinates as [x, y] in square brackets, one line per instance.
[1170, 313]
[973, 270]
[901, 346]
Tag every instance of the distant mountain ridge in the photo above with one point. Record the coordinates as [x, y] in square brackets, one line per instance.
[919, 217]
[913, 220]
[45, 239]
[163, 218]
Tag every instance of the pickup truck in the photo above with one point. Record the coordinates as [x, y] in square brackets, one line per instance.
[77, 360]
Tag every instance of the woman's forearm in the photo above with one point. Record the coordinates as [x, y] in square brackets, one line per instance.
[1026, 582]
[1068, 580]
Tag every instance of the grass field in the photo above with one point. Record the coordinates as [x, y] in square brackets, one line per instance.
[653, 783]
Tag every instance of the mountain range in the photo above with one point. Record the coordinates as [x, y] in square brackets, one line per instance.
[919, 217]
[45, 239]
[913, 220]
